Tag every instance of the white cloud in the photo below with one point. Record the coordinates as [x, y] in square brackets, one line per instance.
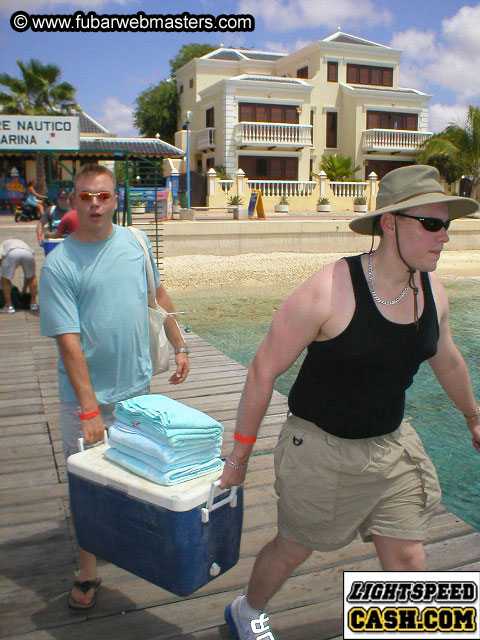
[116, 117]
[280, 47]
[462, 30]
[448, 60]
[441, 115]
[416, 44]
[287, 15]
[58, 6]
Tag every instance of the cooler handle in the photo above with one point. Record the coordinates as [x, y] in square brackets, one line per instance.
[81, 446]
[214, 492]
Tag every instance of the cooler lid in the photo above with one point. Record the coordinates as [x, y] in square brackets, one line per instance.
[92, 465]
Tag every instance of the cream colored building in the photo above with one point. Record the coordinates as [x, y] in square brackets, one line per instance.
[274, 114]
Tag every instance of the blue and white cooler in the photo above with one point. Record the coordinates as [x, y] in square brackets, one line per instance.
[178, 537]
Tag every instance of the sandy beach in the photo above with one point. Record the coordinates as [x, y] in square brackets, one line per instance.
[205, 272]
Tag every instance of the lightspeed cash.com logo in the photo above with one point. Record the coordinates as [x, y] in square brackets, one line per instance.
[411, 605]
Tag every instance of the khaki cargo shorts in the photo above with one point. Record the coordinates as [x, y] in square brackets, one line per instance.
[329, 489]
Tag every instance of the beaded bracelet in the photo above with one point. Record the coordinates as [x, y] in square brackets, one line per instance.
[244, 439]
[89, 414]
[234, 465]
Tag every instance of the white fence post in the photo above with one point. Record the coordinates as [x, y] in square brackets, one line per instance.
[372, 181]
[240, 176]
[322, 178]
[211, 175]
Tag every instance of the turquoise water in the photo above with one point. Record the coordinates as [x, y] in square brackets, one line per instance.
[235, 320]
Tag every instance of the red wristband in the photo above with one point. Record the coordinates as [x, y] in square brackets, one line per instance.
[89, 414]
[244, 439]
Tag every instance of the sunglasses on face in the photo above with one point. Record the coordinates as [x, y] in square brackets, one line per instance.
[88, 195]
[429, 224]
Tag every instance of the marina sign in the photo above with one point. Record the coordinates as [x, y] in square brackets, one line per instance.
[39, 133]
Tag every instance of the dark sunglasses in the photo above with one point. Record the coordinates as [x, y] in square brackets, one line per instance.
[88, 195]
[429, 224]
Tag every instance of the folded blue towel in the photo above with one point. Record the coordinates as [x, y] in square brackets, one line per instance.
[158, 464]
[175, 476]
[173, 437]
[120, 435]
[165, 415]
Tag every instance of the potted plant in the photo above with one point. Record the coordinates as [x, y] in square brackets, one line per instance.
[323, 205]
[233, 203]
[282, 206]
[138, 206]
[360, 204]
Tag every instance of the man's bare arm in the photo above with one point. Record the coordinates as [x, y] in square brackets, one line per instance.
[174, 337]
[450, 368]
[77, 371]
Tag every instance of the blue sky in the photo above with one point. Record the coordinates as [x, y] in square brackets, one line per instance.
[440, 40]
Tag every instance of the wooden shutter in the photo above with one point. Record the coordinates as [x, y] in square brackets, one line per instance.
[262, 113]
[291, 115]
[210, 117]
[364, 75]
[352, 73]
[245, 112]
[332, 71]
[247, 164]
[412, 122]
[376, 76]
[291, 168]
[331, 129]
[276, 113]
[373, 120]
[387, 80]
[276, 169]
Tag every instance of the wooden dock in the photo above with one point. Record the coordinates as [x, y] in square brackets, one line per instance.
[39, 561]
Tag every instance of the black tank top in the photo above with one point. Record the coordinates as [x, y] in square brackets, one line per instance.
[353, 386]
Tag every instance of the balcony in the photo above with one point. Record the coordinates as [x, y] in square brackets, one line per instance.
[393, 140]
[206, 139]
[273, 134]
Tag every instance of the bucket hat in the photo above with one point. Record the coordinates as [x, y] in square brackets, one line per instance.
[412, 186]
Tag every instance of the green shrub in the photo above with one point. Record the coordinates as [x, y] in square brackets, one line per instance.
[323, 200]
[360, 200]
[283, 200]
[235, 201]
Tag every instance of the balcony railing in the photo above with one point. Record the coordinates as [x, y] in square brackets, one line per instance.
[393, 139]
[206, 138]
[283, 187]
[348, 189]
[226, 185]
[273, 134]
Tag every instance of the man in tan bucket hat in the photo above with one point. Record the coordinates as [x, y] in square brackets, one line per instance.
[346, 463]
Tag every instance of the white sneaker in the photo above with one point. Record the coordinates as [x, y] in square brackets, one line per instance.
[6, 309]
[34, 307]
[246, 628]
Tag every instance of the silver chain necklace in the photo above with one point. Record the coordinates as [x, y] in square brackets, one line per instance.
[372, 286]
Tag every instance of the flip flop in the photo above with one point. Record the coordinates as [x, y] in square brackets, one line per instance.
[84, 586]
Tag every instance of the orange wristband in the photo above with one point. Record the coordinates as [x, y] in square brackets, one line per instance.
[244, 439]
[89, 414]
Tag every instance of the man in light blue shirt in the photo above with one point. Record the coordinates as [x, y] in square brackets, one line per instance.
[93, 296]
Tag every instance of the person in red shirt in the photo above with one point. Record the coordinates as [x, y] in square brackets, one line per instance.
[68, 224]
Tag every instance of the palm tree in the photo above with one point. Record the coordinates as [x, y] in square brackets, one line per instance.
[37, 92]
[338, 167]
[461, 144]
